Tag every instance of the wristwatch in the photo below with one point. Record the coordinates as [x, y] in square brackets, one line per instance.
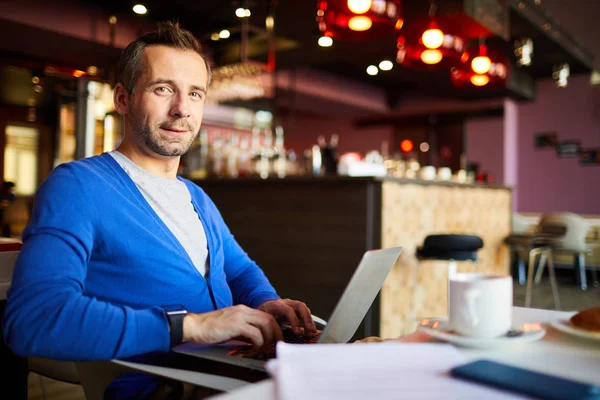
[176, 325]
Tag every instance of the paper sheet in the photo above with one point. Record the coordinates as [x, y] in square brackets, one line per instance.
[373, 371]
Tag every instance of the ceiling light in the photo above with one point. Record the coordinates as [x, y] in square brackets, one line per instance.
[386, 65]
[360, 24]
[372, 70]
[480, 80]
[359, 6]
[433, 38]
[270, 22]
[481, 64]
[359, 20]
[431, 56]
[240, 13]
[224, 34]
[325, 41]
[524, 51]
[561, 75]
[92, 70]
[140, 9]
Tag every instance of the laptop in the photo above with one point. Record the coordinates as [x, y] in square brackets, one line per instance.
[343, 322]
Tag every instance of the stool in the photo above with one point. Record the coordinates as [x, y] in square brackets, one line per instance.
[450, 248]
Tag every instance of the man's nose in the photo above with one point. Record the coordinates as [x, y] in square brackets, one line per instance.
[180, 106]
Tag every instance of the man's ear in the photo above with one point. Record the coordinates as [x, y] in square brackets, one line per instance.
[121, 99]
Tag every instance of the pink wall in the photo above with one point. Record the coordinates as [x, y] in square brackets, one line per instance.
[548, 183]
[485, 145]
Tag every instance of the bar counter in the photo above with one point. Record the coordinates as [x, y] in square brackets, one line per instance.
[308, 234]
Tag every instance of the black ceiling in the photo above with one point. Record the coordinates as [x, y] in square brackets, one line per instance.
[295, 22]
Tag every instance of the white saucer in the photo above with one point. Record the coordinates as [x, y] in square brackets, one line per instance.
[566, 327]
[440, 329]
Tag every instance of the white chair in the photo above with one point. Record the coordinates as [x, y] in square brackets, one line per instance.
[572, 230]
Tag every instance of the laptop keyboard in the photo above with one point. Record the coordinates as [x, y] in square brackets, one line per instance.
[267, 352]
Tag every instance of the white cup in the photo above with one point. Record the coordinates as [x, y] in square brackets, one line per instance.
[480, 304]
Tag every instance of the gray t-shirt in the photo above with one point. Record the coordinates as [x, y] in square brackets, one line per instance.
[172, 202]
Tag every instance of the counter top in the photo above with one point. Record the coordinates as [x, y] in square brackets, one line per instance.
[345, 179]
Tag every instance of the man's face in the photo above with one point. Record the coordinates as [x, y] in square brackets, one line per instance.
[166, 108]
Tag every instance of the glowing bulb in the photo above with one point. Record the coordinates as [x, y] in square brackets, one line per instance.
[360, 24]
[240, 13]
[480, 80]
[224, 34]
[481, 64]
[431, 56]
[372, 70]
[325, 41]
[215, 36]
[406, 146]
[270, 22]
[433, 38]
[247, 13]
[140, 9]
[359, 6]
[386, 65]
[424, 147]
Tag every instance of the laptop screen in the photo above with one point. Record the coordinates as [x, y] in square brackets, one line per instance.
[359, 294]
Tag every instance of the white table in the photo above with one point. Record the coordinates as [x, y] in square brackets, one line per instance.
[557, 353]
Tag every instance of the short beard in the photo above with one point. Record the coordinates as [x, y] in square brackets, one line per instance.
[150, 137]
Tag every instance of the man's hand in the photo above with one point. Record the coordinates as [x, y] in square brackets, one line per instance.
[292, 310]
[237, 322]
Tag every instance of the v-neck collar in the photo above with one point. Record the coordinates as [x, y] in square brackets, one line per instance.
[135, 191]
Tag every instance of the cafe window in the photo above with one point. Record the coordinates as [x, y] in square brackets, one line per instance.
[20, 158]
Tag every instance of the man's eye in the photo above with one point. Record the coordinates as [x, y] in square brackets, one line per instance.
[162, 89]
[196, 95]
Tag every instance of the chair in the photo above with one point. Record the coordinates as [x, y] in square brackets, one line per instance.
[533, 244]
[451, 248]
[53, 369]
[571, 230]
[520, 241]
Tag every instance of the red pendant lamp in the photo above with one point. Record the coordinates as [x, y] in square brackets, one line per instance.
[359, 20]
[480, 67]
[430, 42]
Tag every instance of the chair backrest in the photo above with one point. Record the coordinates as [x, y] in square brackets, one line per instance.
[571, 227]
[64, 371]
[520, 225]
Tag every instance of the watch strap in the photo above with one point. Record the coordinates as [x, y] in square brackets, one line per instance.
[176, 326]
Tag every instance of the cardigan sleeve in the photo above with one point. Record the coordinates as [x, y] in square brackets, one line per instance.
[247, 281]
[48, 313]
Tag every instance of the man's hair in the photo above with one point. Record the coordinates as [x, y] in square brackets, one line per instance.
[168, 34]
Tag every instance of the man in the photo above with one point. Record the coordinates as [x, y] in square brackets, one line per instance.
[119, 247]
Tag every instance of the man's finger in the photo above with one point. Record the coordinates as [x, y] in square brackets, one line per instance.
[253, 333]
[290, 315]
[304, 312]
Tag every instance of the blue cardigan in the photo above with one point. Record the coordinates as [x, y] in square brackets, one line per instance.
[98, 268]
